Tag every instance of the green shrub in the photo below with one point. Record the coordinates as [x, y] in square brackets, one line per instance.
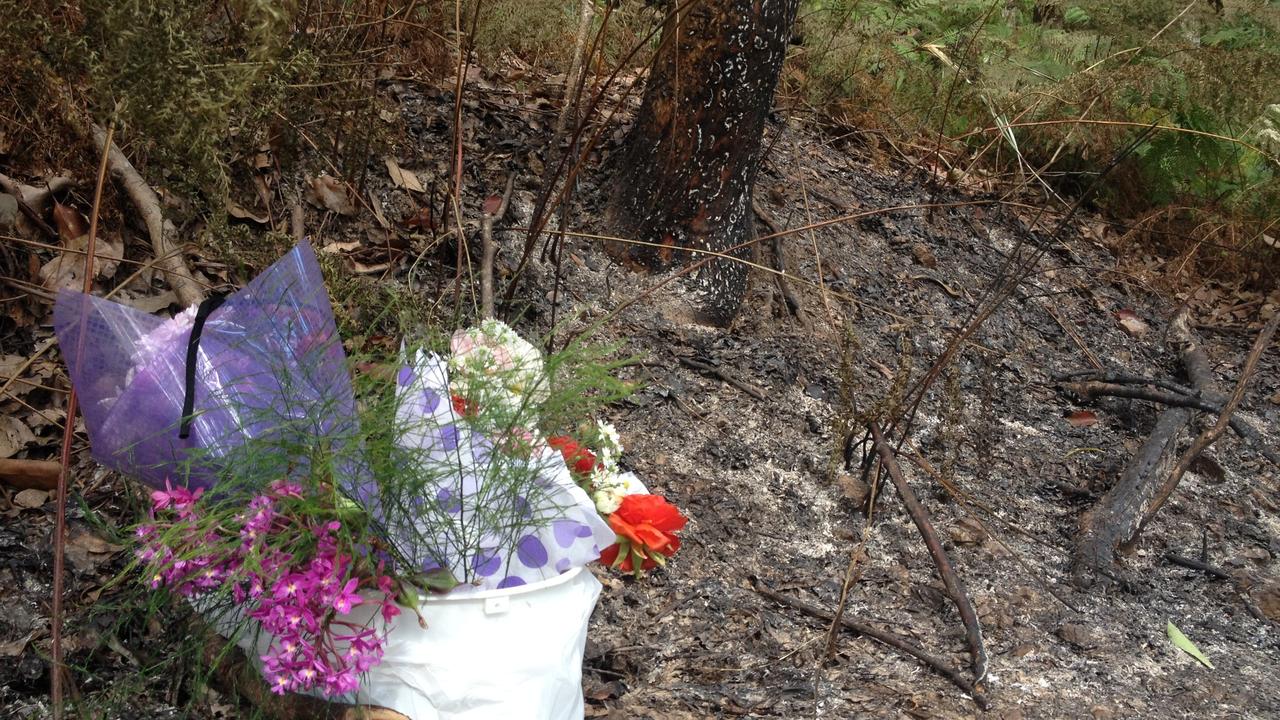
[1043, 62]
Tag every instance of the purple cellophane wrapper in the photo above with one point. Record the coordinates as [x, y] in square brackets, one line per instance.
[269, 361]
[552, 525]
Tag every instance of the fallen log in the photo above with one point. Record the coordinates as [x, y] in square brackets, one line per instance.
[1212, 433]
[1115, 519]
[1153, 473]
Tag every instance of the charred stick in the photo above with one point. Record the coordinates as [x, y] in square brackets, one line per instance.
[1200, 565]
[788, 292]
[1091, 389]
[720, 374]
[1116, 518]
[1210, 435]
[780, 264]
[1131, 379]
[881, 636]
[950, 580]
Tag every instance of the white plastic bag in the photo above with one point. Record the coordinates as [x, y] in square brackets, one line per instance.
[512, 654]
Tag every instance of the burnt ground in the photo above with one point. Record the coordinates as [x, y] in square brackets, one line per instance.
[761, 478]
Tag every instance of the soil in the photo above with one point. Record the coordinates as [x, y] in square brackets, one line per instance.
[763, 479]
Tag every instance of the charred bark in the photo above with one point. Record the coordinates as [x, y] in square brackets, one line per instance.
[1117, 517]
[684, 183]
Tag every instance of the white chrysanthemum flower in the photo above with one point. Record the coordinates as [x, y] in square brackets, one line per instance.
[491, 364]
[609, 487]
[609, 500]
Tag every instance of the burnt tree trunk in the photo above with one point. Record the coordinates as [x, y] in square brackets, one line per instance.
[686, 177]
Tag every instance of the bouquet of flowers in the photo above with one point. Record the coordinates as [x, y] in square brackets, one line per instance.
[315, 514]
[645, 524]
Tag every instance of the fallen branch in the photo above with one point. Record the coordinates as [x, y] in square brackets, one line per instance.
[950, 580]
[1203, 567]
[1211, 434]
[720, 374]
[780, 264]
[147, 203]
[1118, 378]
[30, 474]
[487, 220]
[1115, 519]
[1090, 389]
[881, 636]
[37, 198]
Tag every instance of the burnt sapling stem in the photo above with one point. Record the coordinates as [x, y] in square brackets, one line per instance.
[950, 580]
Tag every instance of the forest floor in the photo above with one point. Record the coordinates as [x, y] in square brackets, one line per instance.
[752, 464]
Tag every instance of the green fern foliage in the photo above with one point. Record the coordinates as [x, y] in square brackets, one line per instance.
[1204, 78]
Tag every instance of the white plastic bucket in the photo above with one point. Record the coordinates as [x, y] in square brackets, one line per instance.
[512, 654]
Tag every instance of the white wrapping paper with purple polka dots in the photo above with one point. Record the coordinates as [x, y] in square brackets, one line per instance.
[495, 519]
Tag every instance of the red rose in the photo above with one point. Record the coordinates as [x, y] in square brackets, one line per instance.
[645, 525]
[578, 458]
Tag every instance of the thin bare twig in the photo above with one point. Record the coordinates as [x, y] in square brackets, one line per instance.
[487, 219]
[68, 433]
[297, 222]
[545, 204]
[714, 371]
[1252, 437]
[950, 580]
[881, 636]
[780, 264]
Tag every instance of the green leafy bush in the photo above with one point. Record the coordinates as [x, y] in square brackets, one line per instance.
[966, 68]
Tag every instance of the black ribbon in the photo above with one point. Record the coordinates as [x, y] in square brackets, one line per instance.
[193, 348]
